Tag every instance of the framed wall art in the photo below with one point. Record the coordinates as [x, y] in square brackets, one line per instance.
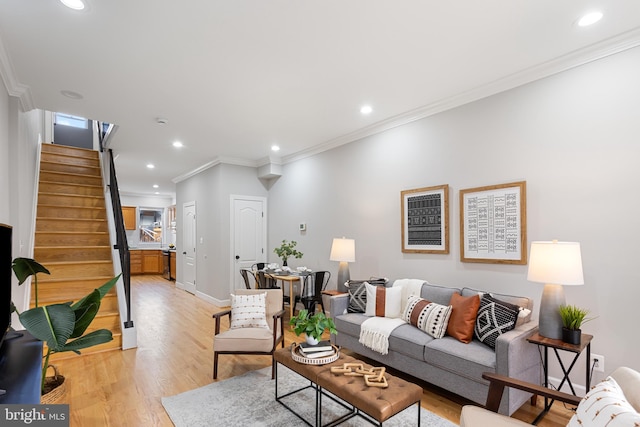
[425, 220]
[493, 224]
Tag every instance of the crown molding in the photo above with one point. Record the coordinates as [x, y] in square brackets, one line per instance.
[13, 87]
[602, 49]
[235, 161]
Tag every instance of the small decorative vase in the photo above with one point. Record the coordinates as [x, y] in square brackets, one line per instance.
[284, 262]
[571, 336]
[311, 340]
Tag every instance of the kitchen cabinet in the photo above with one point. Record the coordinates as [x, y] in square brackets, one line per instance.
[145, 261]
[129, 217]
[135, 261]
[152, 262]
[172, 262]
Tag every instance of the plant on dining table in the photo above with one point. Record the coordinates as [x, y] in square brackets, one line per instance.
[286, 250]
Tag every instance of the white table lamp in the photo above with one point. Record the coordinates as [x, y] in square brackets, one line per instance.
[555, 264]
[344, 251]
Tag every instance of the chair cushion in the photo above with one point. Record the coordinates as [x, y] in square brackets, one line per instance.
[463, 317]
[427, 316]
[244, 340]
[383, 302]
[248, 311]
[494, 318]
[605, 405]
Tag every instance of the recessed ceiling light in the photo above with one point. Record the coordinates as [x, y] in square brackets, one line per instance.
[71, 94]
[151, 166]
[366, 109]
[73, 4]
[177, 144]
[275, 148]
[157, 192]
[155, 186]
[589, 19]
[161, 121]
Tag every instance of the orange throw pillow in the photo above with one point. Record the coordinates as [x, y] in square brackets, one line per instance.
[463, 317]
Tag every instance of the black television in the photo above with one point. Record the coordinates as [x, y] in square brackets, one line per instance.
[5, 280]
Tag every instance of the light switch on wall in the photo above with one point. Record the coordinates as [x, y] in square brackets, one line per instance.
[303, 226]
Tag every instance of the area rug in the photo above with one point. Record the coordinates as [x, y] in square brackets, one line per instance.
[249, 400]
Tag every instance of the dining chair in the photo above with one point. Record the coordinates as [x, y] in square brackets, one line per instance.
[258, 266]
[312, 292]
[245, 275]
[266, 280]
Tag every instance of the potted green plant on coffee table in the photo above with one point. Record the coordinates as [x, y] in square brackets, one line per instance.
[572, 319]
[312, 325]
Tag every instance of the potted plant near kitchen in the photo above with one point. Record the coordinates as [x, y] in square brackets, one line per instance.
[286, 250]
[572, 319]
[312, 325]
[57, 324]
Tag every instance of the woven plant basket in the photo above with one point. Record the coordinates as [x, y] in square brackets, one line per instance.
[55, 388]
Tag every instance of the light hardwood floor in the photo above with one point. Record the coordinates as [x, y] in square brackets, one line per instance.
[175, 354]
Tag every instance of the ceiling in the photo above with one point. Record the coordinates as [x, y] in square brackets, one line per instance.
[232, 78]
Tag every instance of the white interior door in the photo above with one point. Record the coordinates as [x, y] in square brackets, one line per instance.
[249, 235]
[189, 246]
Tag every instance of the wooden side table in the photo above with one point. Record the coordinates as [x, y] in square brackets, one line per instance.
[577, 349]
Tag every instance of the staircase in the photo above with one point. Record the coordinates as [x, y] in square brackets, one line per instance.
[72, 236]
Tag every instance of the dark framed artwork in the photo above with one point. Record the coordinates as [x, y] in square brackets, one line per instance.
[425, 220]
[493, 224]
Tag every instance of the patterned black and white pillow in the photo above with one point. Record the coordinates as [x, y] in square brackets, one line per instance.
[357, 296]
[358, 293]
[494, 318]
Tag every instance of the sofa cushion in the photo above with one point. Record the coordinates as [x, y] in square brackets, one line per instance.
[467, 360]
[607, 405]
[438, 294]
[383, 302]
[494, 318]
[463, 317]
[427, 316]
[358, 293]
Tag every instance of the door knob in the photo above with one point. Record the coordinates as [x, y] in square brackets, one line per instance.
[237, 256]
[184, 253]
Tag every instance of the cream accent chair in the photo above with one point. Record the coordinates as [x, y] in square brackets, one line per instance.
[251, 340]
[474, 416]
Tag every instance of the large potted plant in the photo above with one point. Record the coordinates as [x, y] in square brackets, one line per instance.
[286, 250]
[57, 324]
[312, 325]
[572, 319]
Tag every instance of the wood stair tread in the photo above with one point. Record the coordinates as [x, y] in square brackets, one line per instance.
[71, 173]
[62, 195]
[74, 184]
[70, 207]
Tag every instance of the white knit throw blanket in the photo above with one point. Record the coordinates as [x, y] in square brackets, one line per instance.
[375, 331]
[410, 287]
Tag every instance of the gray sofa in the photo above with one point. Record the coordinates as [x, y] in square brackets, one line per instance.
[447, 362]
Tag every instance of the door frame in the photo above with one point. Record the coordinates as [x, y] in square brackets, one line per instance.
[232, 231]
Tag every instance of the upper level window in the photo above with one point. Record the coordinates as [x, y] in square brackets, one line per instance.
[73, 121]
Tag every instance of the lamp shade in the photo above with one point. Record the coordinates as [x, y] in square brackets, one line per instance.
[557, 263]
[343, 250]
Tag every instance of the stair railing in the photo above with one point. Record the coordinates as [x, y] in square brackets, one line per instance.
[121, 236]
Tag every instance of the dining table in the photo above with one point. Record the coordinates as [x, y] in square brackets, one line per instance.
[291, 278]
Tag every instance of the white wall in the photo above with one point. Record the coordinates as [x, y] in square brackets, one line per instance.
[573, 137]
[4, 155]
[211, 190]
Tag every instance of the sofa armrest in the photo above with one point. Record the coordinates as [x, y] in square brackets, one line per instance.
[338, 305]
[514, 354]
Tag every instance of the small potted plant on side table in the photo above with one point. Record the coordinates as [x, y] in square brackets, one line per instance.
[572, 319]
[313, 326]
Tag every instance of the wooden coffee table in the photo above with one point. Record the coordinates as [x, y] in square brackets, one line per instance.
[374, 404]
